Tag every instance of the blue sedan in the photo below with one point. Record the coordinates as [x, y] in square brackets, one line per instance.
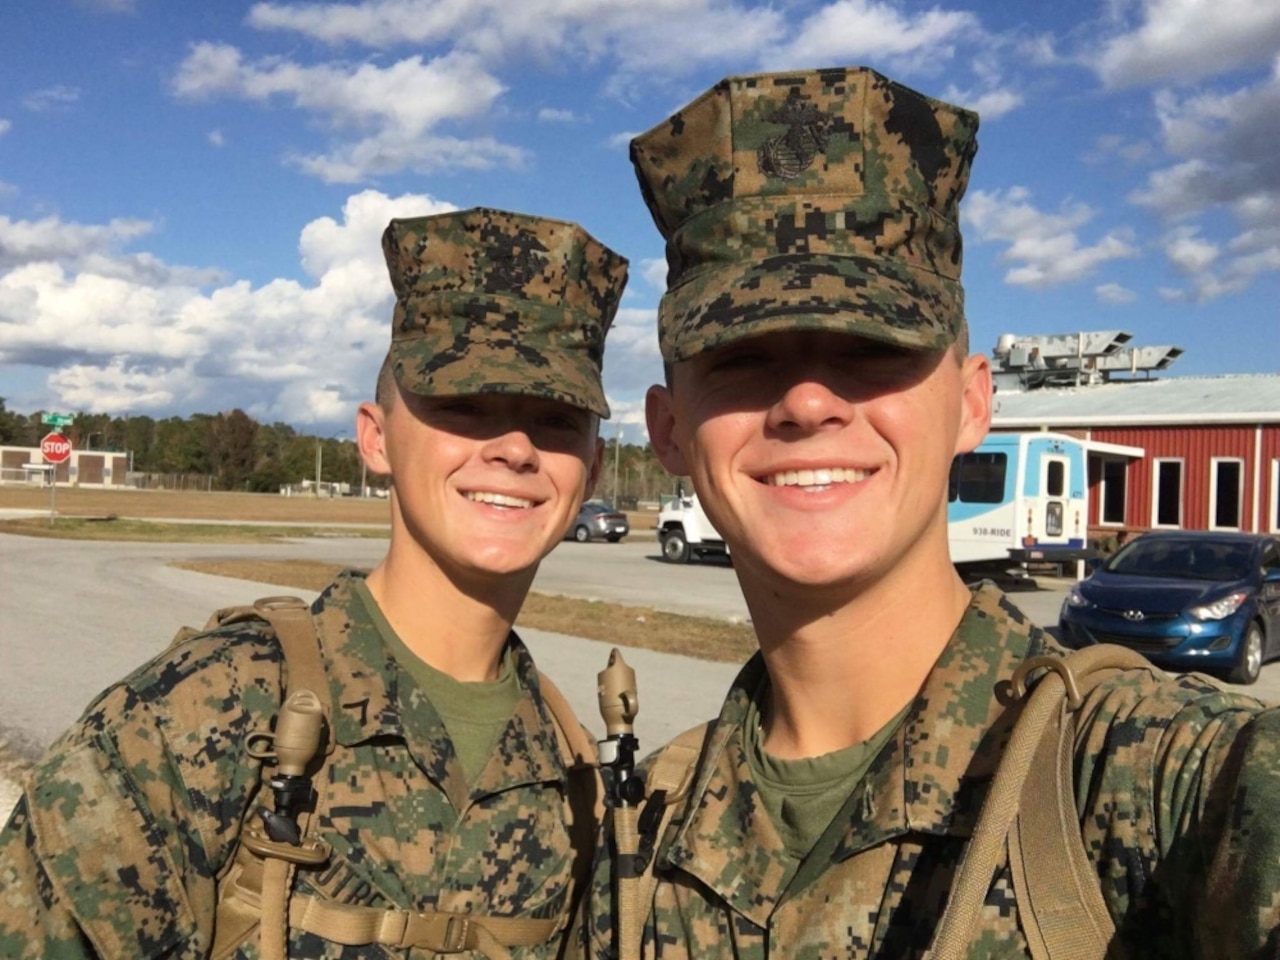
[1186, 600]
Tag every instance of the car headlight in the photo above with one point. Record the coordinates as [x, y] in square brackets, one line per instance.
[1219, 609]
[1077, 599]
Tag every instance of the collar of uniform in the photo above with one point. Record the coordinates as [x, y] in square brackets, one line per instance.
[373, 697]
[931, 777]
[728, 841]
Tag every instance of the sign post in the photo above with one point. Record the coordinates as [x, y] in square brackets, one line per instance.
[56, 449]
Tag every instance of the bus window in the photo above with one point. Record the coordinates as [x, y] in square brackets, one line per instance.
[1056, 479]
[977, 478]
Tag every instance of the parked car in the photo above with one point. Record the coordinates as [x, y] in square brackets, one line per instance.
[1186, 600]
[598, 521]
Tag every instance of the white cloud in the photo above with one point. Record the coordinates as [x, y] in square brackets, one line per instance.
[551, 115]
[989, 105]
[655, 273]
[632, 360]
[390, 111]
[118, 339]
[1045, 246]
[622, 140]
[1225, 152]
[5, 126]
[856, 31]
[1115, 293]
[217, 139]
[51, 98]
[1182, 40]
[1212, 272]
[1189, 253]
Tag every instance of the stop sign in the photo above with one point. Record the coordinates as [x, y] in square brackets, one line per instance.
[56, 448]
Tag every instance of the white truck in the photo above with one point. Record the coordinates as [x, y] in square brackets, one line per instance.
[684, 530]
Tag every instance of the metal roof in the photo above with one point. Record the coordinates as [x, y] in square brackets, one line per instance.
[1239, 398]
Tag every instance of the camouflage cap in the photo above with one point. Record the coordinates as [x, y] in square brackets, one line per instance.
[825, 200]
[489, 301]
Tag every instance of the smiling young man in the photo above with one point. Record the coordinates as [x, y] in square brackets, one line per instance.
[453, 804]
[818, 386]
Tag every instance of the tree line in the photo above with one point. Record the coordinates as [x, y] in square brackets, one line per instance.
[235, 452]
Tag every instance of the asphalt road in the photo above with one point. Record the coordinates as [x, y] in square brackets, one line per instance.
[77, 615]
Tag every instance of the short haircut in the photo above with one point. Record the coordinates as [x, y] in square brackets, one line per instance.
[386, 389]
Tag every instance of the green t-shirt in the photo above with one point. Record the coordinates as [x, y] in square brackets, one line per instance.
[803, 796]
[474, 713]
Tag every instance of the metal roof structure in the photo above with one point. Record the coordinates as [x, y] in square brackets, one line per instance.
[1238, 399]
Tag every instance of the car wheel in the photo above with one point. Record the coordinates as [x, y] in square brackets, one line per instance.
[581, 534]
[1249, 660]
[675, 549]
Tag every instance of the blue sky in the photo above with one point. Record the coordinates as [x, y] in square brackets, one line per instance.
[191, 194]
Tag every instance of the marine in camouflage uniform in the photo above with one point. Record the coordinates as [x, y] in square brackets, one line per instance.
[128, 823]
[826, 202]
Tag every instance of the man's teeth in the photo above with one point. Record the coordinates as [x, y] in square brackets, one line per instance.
[498, 499]
[817, 478]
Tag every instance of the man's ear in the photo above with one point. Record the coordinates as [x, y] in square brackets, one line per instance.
[975, 402]
[659, 413]
[371, 437]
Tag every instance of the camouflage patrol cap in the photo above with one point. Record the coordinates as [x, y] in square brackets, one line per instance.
[823, 200]
[489, 301]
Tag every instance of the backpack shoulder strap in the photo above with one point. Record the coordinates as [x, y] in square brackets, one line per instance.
[667, 784]
[1067, 917]
[585, 788]
[1063, 912]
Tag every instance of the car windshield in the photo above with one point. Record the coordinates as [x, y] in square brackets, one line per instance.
[1183, 560]
[596, 508]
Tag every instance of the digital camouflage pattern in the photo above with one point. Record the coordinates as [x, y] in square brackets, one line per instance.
[1178, 784]
[824, 199]
[494, 302]
[114, 849]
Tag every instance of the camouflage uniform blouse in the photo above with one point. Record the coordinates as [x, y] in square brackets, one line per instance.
[114, 848]
[1178, 788]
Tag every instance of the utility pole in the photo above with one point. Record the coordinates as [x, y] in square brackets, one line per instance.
[617, 456]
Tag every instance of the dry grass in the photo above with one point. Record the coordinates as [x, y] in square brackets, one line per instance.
[117, 529]
[197, 505]
[644, 627]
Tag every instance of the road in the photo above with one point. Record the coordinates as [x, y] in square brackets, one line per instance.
[76, 615]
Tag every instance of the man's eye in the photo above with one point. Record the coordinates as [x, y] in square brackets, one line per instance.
[740, 360]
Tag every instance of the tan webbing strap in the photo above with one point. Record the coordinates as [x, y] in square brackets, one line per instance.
[1066, 917]
[438, 931]
[585, 790]
[1067, 679]
[671, 774]
[582, 748]
[295, 628]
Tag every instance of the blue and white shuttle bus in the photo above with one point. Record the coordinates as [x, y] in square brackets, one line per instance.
[1023, 498]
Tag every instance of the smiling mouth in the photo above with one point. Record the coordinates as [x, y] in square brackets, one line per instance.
[821, 477]
[498, 499]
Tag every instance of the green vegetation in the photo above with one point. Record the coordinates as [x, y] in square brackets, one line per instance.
[232, 451]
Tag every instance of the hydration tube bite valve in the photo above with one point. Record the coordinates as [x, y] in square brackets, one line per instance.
[619, 704]
[297, 739]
